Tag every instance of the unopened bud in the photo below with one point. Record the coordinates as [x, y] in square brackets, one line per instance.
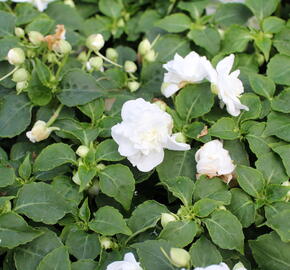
[239, 266]
[16, 56]
[214, 89]
[106, 242]
[95, 42]
[82, 151]
[30, 53]
[161, 104]
[133, 86]
[112, 54]
[76, 179]
[96, 62]
[121, 23]
[286, 184]
[166, 218]
[221, 207]
[144, 47]
[35, 37]
[40, 131]
[150, 56]
[101, 167]
[179, 137]
[130, 66]
[62, 47]
[19, 32]
[69, 3]
[82, 56]
[180, 257]
[20, 75]
[51, 58]
[20, 86]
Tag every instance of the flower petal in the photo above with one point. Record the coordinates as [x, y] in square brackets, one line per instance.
[172, 144]
[225, 65]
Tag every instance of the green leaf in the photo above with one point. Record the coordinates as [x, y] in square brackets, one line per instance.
[94, 109]
[117, 181]
[42, 71]
[58, 259]
[108, 221]
[278, 69]
[42, 24]
[199, 257]
[7, 22]
[108, 151]
[25, 13]
[225, 230]
[284, 152]
[282, 41]
[14, 231]
[262, 85]
[204, 207]
[174, 23]
[84, 265]
[177, 163]
[243, 207]
[179, 233]
[86, 175]
[97, 24]
[254, 104]
[7, 176]
[25, 168]
[280, 103]
[238, 152]
[111, 8]
[251, 180]
[264, 44]
[83, 245]
[194, 101]
[41, 203]
[78, 88]
[181, 187]
[53, 156]
[273, 25]
[194, 8]
[14, 109]
[84, 211]
[270, 252]
[278, 124]
[262, 9]
[225, 128]
[28, 256]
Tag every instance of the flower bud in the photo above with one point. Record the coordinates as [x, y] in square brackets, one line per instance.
[30, 53]
[16, 56]
[286, 184]
[130, 66]
[82, 151]
[20, 86]
[112, 54]
[96, 62]
[69, 3]
[214, 89]
[40, 131]
[51, 58]
[179, 137]
[62, 47]
[120, 23]
[106, 242]
[239, 266]
[101, 167]
[35, 37]
[82, 56]
[221, 207]
[133, 86]
[20, 75]
[180, 257]
[160, 103]
[76, 179]
[95, 42]
[144, 47]
[19, 32]
[150, 56]
[166, 218]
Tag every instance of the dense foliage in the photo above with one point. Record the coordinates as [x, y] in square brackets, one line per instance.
[69, 197]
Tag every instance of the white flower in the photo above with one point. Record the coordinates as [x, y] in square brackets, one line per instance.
[182, 71]
[144, 133]
[213, 160]
[129, 263]
[239, 266]
[227, 85]
[40, 131]
[221, 266]
[16, 56]
[41, 5]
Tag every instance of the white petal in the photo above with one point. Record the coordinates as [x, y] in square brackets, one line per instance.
[30, 136]
[169, 90]
[133, 108]
[172, 144]
[211, 73]
[225, 65]
[129, 257]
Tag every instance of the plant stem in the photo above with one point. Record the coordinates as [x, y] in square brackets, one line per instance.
[54, 116]
[108, 60]
[8, 74]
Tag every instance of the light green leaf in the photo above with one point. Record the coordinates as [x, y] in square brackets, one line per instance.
[278, 69]
[225, 128]
[254, 104]
[282, 41]
[273, 25]
[84, 265]
[7, 22]
[194, 8]
[86, 175]
[204, 207]
[262, 85]
[278, 124]
[94, 109]
[262, 9]
[174, 23]
[284, 152]
[264, 43]
[25, 168]
[108, 151]
[280, 103]
[111, 8]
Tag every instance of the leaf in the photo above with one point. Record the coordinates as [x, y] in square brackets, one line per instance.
[262, 85]
[174, 23]
[94, 109]
[264, 43]
[284, 152]
[86, 175]
[27, 257]
[204, 207]
[118, 182]
[7, 176]
[25, 168]
[238, 152]
[14, 109]
[7, 22]
[280, 103]
[200, 258]
[111, 8]
[194, 8]
[225, 230]
[281, 41]
[83, 245]
[254, 104]
[84, 265]
[270, 252]
[42, 24]
[58, 259]
[78, 88]
[278, 69]
[42, 71]
[53, 156]
[262, 9]
[41, 203]
[14, 231]
[278, 124]
[108, 221]
[251, 180]
[225, 128]
[179, 233]
[193, 101]
[108, 150]
[273, 25]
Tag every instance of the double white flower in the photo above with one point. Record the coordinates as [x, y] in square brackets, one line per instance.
[41, 5]
[194, 69]
[129, 263]
[144, 133]
[222, 266]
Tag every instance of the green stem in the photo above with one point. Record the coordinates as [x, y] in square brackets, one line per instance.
[54, 116]
[108, 60]
[8, 74]
[62, 63]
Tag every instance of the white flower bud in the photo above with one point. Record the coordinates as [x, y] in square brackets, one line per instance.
[133, 86]
[30, 53]
[51, 58]
[239, 266]
[121, 23]
[101, 167]
[150, 56]
[16, 56]
[286, 184]
[20, 75]
[166, 218]
[19, 32]
[179, 137]
[69, 3]
[160, 103]
[144, 47]
[62, 47]
[106, 242]
[20, 86]
[40, 131]
[130, 66]
[96, 62]
[35, 37]
[76, 179]
[82, 56]
[82, 151]
[112, 54]
[95, 42]
[180, 257]
[221, 207]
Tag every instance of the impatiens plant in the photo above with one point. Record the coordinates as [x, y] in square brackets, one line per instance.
[144, 135]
